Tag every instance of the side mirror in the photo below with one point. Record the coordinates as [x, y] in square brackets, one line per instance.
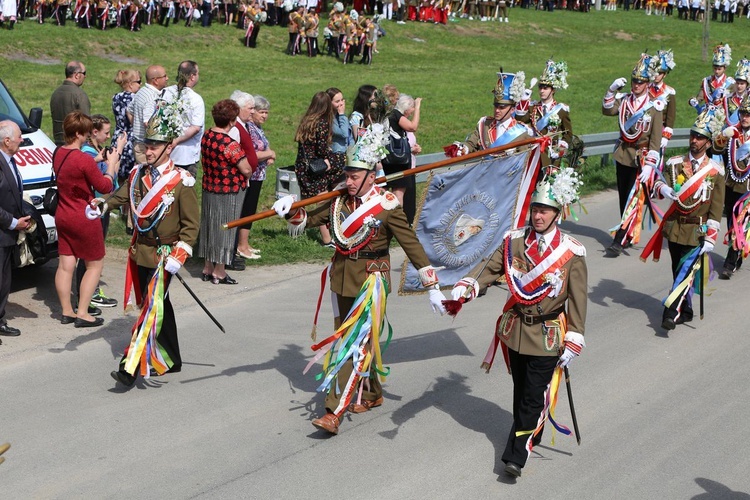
[35, 117]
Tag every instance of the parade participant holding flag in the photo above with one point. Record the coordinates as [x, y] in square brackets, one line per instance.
[500, 128]
[736, 155]
[715, 87]
[363, 223]
[637, 151]
[166, 217]
[542, 325]
[547, 116]
[695, 183]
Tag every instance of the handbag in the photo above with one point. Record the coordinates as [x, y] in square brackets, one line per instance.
[315, 166]
[399, 151]
[49, 201]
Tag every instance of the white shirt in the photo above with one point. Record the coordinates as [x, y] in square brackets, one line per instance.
[194, 114]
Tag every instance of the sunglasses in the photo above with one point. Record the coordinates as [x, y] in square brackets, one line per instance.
[81, 73]
[137, 81]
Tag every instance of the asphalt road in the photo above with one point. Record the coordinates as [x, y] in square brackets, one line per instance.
[661, 415]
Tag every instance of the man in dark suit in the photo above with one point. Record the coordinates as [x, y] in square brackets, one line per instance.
[11, 214]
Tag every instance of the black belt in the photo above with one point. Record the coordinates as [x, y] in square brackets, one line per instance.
[163, 240]
[535, 320]
[361, 254]
[682, 219]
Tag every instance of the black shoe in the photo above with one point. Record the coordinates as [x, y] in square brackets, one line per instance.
[513, 469]
[124, 378]
[238, 264]
[9, 331]
[205, 277]
[101, 300]
[82, 323]
[226, 280]
[726, 274]
[668, 324]
[66, 320]
[93, 310]
[614, 250]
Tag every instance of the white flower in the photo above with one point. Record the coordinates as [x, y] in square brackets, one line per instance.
[556, 282]
[167, 199]
[517, 87]
[565, 186]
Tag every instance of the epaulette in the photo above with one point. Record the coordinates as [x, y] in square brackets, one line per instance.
[575, 246]
[388, 200]
[565, 107]
[516, 233]
[674, 160]
[719, 167]
[187, 178]
[669, 90]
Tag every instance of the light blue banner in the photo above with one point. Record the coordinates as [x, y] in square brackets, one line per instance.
[465, 214]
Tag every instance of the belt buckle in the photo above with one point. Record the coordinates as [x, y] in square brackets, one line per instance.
[354, 255]
[528, 320]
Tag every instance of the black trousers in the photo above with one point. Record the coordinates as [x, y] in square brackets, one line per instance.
[168, 334]
[676, 252]
[531, 376]
[626, 177]
[6, 254]
[733, 260]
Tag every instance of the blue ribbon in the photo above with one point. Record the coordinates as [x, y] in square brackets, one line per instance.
[543, 121]
[509, 136]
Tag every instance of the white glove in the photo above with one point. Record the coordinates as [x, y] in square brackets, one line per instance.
[646, 171]
[664, 142]
[562, 146]
[668, 192]
[618, 84]
[730, 132]
[436, 301]
[93, 213]
[526, 95]
[172, 266]
[567, 356]
[693, 102]
[459, 289]
[706, 247]
[283, 205]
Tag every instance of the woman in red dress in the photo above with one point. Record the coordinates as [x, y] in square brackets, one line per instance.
[79, 229]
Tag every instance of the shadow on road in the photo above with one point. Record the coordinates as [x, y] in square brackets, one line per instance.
[116, 332]
[425, 346]
[452, 395]
[717, 490]
[630, 299]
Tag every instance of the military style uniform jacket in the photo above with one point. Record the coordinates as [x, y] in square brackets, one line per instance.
[349, 272]
[533, 329]
[737, 172]
[180, 223]
[487, 132]
[666, 94]
[687, 224]
[645, 133]
[558, 122]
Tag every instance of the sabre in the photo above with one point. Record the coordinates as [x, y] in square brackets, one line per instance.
[572, 408]
[398, 175]
[700, 278]
[192, 294]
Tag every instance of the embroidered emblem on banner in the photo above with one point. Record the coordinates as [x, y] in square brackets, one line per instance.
[457, 227]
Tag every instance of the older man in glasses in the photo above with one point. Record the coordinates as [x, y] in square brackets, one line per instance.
[68, 97]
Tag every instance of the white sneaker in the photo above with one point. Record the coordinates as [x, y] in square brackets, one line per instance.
[483, 19]
[506, 20]
[471, 18]
[400, 22]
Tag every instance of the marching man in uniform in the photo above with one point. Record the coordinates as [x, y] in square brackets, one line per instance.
[731, 102]
[716, 86]
[695, 184]
[637, 151]
[166, 216]
[548, 116]
[736, 155]
[659, 90]
[543, 319]
[501, 128]
[363, 222]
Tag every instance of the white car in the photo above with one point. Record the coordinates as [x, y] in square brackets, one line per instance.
[34, 159]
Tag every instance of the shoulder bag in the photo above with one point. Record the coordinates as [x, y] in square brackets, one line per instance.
[399, 151]
[49, 202]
